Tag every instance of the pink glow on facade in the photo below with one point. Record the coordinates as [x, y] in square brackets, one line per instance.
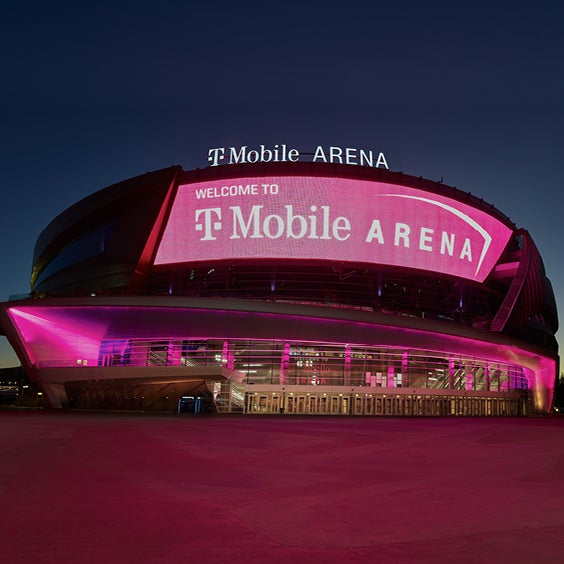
[54, 336]
[331, 219]
[65, 335]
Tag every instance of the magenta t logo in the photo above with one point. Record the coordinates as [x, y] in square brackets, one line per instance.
[209, 223]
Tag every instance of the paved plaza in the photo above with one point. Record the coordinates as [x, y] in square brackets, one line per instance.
[123, 487]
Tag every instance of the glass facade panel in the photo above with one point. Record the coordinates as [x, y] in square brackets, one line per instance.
[87, 246]
[321, 364]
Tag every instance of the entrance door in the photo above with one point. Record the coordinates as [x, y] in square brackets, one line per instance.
[358, 405]
[335, 404]
[275, 406]
[379, 410]
[312, 404]
[290, 401]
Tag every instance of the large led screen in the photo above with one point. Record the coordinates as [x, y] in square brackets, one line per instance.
[330, 219]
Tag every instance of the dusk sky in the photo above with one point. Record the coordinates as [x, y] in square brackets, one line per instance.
[94, 93]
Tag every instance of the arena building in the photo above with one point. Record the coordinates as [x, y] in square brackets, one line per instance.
[288, 287]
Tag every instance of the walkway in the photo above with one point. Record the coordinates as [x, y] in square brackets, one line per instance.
[105, 488]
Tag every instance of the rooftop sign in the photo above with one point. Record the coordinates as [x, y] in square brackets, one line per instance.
[281, 153]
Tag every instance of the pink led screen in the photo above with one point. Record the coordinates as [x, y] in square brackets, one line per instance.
[330, 219]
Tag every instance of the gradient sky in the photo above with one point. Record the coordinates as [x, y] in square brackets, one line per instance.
[94, 93]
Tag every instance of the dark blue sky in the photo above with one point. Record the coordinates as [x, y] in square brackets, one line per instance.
[470, 92]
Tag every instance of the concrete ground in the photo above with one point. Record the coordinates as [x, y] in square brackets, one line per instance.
[105, 488]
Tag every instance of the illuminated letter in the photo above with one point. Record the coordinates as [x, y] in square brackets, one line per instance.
[293, 155]
[466, 250]
[325, 233]
[447, 244]
[425, 236]
[266, 226]
[319, 154]
[252, 156]
[375, 232]
[215, 155]
[312, 224]
[290, 218]
[266, 154]
[402, 232]
[366, 160]
[207, 226]
[335, 153]
[234, 157]
[350, 156]
[381, 161]
[253, 217]
[346, 225]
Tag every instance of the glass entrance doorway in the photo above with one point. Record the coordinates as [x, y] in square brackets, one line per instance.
[391, 405]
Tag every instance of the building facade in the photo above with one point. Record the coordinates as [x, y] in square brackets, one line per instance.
[295, 288]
